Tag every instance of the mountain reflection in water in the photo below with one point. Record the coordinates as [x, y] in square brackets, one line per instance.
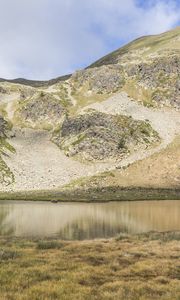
[87, 220]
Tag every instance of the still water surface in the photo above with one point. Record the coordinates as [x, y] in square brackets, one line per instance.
[87, 220]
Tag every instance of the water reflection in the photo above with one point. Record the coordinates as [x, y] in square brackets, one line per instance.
[87, 221]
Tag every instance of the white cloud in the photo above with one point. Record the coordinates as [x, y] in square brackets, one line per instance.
[46, 38]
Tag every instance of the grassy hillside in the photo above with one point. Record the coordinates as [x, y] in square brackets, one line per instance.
[36, 83]
[149, 44]
[160, 170]
[95, 123]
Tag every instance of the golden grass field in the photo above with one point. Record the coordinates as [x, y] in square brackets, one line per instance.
[140, 267]
[161, 170]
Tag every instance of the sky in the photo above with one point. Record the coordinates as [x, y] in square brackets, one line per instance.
[43, 39]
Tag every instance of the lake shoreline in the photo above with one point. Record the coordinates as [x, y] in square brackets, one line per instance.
[94, 195]
[152, 235]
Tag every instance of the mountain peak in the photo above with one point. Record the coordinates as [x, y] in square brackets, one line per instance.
[121, 113]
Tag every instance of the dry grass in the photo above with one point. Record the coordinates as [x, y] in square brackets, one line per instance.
[161, 170]
[152, 44]
[83, 99]
[130, 267]
[139, 93]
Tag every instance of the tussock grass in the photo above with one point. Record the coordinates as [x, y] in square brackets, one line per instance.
[44, 245]
[6, 254]
[136, 267]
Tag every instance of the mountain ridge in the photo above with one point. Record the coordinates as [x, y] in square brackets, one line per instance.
[39, 83]
[98, 128]
[36, 83]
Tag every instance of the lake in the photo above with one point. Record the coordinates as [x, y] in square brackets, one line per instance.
[79, 221]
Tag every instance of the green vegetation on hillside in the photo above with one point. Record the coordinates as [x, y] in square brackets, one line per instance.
[6, 176]
[150, 44]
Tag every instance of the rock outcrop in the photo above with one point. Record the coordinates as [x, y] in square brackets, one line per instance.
[161, 77]
[41, 110]
[107, 79]
[99, 136]
[6, 176]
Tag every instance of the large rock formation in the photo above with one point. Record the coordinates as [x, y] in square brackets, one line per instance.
[100, 136]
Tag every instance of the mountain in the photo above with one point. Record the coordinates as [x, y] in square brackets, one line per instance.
[110, 131]
[36, 83]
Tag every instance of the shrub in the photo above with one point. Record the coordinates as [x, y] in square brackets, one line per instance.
[8, 254]
[44, 245]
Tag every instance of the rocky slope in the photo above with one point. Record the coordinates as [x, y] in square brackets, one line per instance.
[115, 117]
[99, 136]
